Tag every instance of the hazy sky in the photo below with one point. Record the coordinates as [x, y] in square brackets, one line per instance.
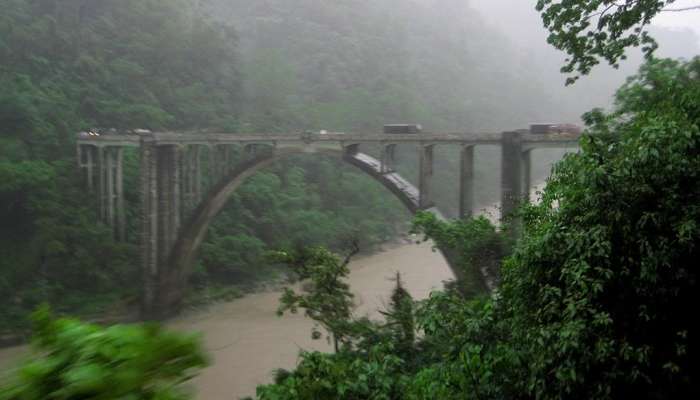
[520, 14]
[687, 19]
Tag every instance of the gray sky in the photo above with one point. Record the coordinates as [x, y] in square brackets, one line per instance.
[515, 15]
[687, 19]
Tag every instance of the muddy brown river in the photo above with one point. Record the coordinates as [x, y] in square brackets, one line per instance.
[246, 340]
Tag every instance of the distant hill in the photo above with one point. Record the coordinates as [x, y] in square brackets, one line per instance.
[356, 64]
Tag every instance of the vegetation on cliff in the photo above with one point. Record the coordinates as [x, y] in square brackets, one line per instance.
[593, 302]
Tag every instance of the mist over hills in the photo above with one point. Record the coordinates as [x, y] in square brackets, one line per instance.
[449, 64]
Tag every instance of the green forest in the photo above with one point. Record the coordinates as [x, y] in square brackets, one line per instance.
[595, 299]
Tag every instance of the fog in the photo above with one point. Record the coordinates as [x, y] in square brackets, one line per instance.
[454, 64]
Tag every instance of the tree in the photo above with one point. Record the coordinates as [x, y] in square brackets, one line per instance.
[599, 290]
[84, 361]
[474, 244]
[590, 30]
[326, 298]
[400, 319]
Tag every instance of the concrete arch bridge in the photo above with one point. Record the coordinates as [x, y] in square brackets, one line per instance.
[186, 178]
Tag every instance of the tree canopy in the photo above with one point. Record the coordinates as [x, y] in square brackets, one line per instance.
[589, 31]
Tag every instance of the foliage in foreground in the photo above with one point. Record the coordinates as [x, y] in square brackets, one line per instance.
[596, 300]
[84, 361]
[590, 30]
[475, 245]
[326, 298]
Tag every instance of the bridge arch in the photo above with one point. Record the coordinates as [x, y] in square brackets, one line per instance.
[173, 276]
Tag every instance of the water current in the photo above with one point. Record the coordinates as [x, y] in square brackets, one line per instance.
[246, 340]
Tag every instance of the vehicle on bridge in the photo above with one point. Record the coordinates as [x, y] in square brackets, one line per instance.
[402, 129]
[543, 128]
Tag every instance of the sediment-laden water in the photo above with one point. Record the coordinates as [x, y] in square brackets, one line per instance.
[247, 340]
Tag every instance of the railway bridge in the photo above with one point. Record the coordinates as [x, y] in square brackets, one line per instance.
[186, 178]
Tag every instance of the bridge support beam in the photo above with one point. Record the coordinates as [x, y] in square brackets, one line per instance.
[86, 160]
[425, 177]
[191, 177]
[160, 194]
[149, 224]
[466, 181]
[119, 187]
[110, 183]
[526, 163]
[388, 158]
[168, 183]
[109, 193]
[511, 173]
[101, 178]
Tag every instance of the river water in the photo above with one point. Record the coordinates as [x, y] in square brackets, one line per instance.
[247, 340]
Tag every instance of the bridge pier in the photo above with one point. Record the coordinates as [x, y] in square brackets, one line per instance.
[149, 223]
[101, 182]
[86, 161]
[388, 158]
[466, 181]
[161, 209]
[425, 177]
[526, 163]
[119, 187]
[110, 183]
[515, 173]
[511, 149]
[191, 177]
[109, 172]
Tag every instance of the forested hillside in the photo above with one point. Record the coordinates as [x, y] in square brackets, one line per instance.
[353, 65]
[71, 65]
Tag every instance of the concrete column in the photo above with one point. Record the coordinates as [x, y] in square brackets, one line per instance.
[165, 208]
[79, 155]
[186, 179]
[109, 156]
[251, 150]
[388, 158]
[466, 181]
[425, 176]
[90, 164]
[511, 174]
[526, 162]
[213, 165]
[121, 215]
[197, 174]
[149, 223]
[176, 186]
[101, 183]
[221, 159]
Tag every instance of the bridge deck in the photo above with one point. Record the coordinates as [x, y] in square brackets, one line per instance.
[174, 138]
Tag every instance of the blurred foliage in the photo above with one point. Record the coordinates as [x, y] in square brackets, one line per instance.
[596, 300]
[75, 360]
